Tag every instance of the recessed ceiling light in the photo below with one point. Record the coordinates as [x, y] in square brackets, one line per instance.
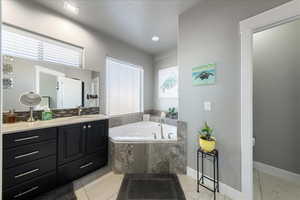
[155, 38]
[70, 7]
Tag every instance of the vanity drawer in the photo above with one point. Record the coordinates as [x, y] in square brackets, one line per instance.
[28, 137]
[27, 153]
[31, 189]
[78, 168]
[28, 171]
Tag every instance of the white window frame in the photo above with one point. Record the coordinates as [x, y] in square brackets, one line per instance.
[108, 86]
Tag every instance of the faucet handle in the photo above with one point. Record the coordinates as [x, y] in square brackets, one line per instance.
[155, 137]
[162, 115]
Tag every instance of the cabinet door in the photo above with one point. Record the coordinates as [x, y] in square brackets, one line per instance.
[80, 167]
[71, 142]
[97, 136]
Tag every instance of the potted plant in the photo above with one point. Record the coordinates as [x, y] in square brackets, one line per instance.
[206, 141]
[172, 113]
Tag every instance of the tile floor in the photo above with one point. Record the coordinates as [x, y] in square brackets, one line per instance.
[267, 187]
[105, 186]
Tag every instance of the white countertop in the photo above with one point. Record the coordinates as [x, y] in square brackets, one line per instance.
[27, 126]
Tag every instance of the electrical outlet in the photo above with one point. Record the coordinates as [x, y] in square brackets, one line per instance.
[207, 106]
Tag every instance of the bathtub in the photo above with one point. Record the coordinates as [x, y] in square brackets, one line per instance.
[143, 132]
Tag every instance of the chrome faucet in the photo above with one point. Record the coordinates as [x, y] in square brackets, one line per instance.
[154, 136]
[161, 130]
[162, 117]
[79, 110]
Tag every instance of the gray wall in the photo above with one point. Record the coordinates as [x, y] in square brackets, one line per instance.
[164, 60]
[33, 17]
[209, 32]
[276, 96]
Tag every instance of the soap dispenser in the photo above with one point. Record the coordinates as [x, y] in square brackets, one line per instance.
[11, 116]
[47, 114]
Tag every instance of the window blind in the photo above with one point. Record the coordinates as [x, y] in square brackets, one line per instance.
[124, 87]
[19, 43]
[62, 55]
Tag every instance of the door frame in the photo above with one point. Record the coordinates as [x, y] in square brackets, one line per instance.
[39, 70]
[274, 17]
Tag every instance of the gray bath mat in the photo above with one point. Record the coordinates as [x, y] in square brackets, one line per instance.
[150, 187]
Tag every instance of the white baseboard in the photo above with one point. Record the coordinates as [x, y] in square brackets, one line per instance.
[224, 189]
[277, 172]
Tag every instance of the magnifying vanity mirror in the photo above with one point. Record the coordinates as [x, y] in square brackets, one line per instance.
[30, 99]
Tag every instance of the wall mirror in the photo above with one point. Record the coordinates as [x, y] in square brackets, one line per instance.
[47, 67]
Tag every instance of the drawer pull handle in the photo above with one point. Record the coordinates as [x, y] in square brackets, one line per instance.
[89, 126]
[27, 154]
[26, 173]
[27, 138]
[84, 127]
[86, 165]
[27, 191]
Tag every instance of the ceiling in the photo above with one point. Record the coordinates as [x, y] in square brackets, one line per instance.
[131, 21]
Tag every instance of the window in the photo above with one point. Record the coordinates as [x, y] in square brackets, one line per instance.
[168, 82]
[124, 83]
[19, 43]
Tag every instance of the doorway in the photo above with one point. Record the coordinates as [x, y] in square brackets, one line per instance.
[279, 15]
[276, 95]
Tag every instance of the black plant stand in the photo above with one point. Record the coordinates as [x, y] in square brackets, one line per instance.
[200, 180]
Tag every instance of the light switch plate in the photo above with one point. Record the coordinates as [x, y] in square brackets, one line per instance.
[207, 106]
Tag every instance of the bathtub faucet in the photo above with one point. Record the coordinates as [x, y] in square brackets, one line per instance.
[162, 118]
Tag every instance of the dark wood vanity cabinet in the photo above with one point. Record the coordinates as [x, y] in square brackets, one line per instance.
[97, 137]
[71, 142]
[29, 163]
[37, 161]
[82, 148]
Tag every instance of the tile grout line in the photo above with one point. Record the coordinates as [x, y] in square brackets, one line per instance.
[260, 185]
[86, 194]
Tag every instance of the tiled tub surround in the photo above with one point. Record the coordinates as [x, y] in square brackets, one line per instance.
[136, 117]
[125, 119]
[57, 113]
[157, 113]
[151, 157]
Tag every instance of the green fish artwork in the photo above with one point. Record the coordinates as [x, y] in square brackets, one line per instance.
[204, 74]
